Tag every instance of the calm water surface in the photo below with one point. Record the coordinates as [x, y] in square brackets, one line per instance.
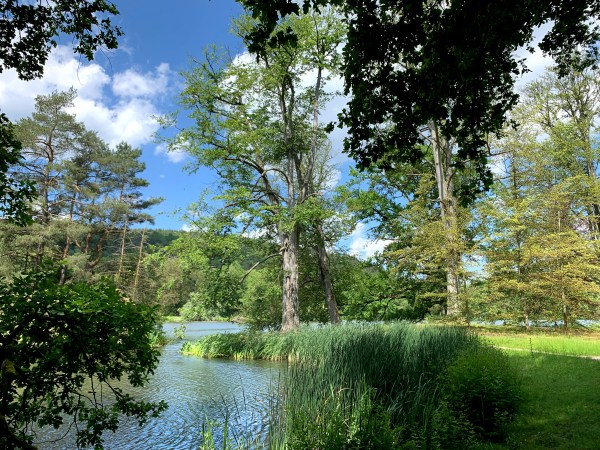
[195, 389]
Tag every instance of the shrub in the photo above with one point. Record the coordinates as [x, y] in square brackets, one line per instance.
[54, 339]
[482, 386]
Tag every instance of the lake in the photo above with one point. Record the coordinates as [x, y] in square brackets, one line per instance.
[195, 389]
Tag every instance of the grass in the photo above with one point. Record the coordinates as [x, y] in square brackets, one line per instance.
[561, 390]
[561, 394]
[377, 386]
[579, 345]
[562, 403]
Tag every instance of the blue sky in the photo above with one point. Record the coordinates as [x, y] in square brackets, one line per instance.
[121, 92]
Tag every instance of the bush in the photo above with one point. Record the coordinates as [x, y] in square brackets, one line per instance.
[54, 340]
[483, 387]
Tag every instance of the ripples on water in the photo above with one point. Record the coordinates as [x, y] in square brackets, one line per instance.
[195, 389]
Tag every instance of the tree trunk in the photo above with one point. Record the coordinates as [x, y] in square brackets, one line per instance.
[527, 323]
[138, 266]
[290, 305]
[63, 267]
[325, 275]
[565, 311]
[122, 253]
[442, 154]
[67, 247]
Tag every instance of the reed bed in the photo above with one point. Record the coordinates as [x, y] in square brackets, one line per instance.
[376, 385]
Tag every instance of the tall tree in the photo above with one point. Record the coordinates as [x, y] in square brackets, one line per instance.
[255, 125]
[125, 201]
[49, 136]
[446, 63]
[567, 109]
[27, 34]
[87, 192]
[542, 239]
[14, 193]
[440, 73]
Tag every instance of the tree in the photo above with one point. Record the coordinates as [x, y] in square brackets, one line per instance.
[88, 194]
[48, 137]
[27, 35]
[14, 193]
[412, 64]
[435, 73]
[55, 339]
[566, 108]
[125, 201]
[402, 202]
[257, 126]
[541, 243]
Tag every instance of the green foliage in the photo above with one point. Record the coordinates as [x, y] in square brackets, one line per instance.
[14, 193]
[261, 298]
[483, 386]
[380, 386]
[542, 220]
[88, 198]
[29, 32]
[408, 63]
[199, 274]
[256, 123]
[66, 343]
[411, 279]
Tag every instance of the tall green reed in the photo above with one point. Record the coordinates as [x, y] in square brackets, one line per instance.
[354, 386]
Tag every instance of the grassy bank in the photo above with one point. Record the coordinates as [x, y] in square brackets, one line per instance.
[561, 390]
[578, 345]
[561, 403]
[380, 386]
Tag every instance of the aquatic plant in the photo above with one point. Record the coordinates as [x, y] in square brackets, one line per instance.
[375, 385]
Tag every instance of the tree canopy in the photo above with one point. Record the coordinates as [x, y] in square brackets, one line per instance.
[453, 63]
[28, 32]
[62, 347]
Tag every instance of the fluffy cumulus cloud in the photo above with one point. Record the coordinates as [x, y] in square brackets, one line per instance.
[132, 84]
[119, 106]
[361, 246]
[175, 155]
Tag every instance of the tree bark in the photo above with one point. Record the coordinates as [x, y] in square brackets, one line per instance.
[442, 154]
[290, 304]
[138, 266]
[122, 252]
[325, 275]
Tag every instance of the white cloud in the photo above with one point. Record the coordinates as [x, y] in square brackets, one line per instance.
[256, 233]
[132, 84]
[126, 115]
[536, 62]
[333, 180]
[362, 247]
[174, 155]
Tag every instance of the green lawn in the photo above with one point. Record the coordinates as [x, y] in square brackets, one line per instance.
[588, 345]
[561, 409]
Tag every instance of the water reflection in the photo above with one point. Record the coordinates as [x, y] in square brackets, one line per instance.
[195, 389]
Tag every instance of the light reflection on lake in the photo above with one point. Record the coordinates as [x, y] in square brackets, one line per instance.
[195, 389]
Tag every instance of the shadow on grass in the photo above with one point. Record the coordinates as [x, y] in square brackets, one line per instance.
[562, 403]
